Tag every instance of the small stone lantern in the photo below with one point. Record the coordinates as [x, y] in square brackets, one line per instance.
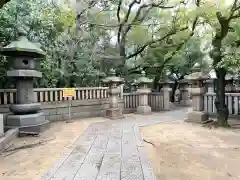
[143, 92]
[229, 83]
[134, 86]
[114, 112]
[26, 112]
[197, 90]
[166, 94]
[210, 85]
[184, 92]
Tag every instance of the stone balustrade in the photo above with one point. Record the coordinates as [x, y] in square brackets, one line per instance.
[8, 96]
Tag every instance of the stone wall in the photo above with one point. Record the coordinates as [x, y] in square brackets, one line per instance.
[58, 110]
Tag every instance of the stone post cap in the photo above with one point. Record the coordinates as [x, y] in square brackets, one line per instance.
[112, 78]
[229, 77]
[165, 81]
[209, 81]
[134, 83]
[197, 76]
[22, 47]
[183, 81]
[143, 79]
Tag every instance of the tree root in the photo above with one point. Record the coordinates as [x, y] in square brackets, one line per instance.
[149, 143]
[13, 150]
[210, 124]
[215, 124]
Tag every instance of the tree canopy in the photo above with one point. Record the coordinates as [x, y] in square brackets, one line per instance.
[85, 39]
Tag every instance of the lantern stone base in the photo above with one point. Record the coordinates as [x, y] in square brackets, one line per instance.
[114, 113]
[28, 123]
[144, 110]
[197, 116]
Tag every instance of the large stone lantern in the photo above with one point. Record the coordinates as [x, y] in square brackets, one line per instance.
[25, 61]
[143, 92]
[113, 82]
[197, 90]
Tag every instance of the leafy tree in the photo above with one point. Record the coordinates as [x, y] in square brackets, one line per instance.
[222, 19]
[70, 60]
[129, 20]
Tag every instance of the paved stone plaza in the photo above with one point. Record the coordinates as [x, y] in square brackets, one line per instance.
[111, 150]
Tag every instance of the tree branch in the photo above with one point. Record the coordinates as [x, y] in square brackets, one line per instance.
[138, 19]
[233, 10]
[3, 2]
[178, 47]
[125, 20]
[142, 48]
[119, 20]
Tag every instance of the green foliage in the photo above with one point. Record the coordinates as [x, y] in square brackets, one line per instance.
[81, 58]
[68, 61]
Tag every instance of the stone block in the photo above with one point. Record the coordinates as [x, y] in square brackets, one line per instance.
[28, 123]
[50, 111]
[1, 125]
[8, 136]
[144, 109]
[114, 113]
[197, 116]
[25, 120]
[53, 118]
[24, 73]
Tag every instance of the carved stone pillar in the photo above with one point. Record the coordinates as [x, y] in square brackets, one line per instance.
[114, 112]
[166, 94]
[184, 93]
[197, 90]
[143, 92]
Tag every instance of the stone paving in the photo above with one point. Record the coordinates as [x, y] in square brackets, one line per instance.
[111, 150]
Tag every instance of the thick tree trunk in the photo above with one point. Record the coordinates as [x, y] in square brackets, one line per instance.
[174, 88]
[222, 109]
[156, 82]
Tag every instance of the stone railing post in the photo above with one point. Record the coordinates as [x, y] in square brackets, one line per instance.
[198, 89]
[1, 125]
[114, 82]
[143, 92]
[26, 112]
[184, 93]
[166, 94]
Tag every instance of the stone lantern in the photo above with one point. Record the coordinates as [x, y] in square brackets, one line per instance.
[25, 61]
[166, 93]
[184, 92]
[113, 82]
[229, 83]
[143, 92]
[197, 80]
[210, 85]
[134, 86]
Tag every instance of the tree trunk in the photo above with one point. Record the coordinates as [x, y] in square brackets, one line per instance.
[222, 109]
[216, 55]
[156, 82]
[174, 88]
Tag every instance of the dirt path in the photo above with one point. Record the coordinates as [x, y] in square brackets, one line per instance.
[31, 163]
[190, 152]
